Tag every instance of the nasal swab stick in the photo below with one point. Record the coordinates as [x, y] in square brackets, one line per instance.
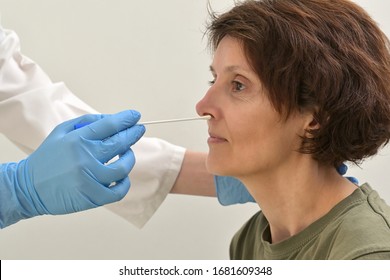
[77, 126]
[176, 120]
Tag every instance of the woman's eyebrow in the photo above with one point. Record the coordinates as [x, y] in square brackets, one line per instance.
[232, 69]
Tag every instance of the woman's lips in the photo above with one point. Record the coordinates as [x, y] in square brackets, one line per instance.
[215, 139]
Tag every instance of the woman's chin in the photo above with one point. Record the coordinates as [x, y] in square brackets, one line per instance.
[216, 168]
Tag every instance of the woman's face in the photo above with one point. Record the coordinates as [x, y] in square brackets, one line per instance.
[247, 135]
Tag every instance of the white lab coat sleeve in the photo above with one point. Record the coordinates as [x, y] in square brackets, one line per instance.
[158, 163]
[31, 105]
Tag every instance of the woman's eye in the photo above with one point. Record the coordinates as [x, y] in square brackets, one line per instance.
[211, 82]
[237, 86]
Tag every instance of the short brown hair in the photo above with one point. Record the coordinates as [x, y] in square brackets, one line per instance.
[328, 56]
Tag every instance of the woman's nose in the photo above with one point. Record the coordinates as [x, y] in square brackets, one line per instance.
[205, 105]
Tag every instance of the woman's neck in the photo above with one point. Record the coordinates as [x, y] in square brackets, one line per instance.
[293, 198]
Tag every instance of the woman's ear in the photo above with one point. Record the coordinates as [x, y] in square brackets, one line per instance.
[312, 124]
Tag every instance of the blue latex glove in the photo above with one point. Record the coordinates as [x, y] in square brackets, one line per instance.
[67, 173]
[342, 170]
[231, 191]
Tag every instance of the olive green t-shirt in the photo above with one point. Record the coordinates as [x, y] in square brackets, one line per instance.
[356, 228]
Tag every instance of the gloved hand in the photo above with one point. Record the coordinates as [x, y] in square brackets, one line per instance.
[231, 191]
[342, 170]
[68, 172]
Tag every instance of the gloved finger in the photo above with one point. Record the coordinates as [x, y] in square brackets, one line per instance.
[103, 195]
[115, 171]
[110, 125]
[117, 144]
[95, 193]
[120, 189]
[353, 180]
[342, 169]
[68, 126]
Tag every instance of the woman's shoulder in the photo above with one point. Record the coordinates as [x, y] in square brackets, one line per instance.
[363, 229]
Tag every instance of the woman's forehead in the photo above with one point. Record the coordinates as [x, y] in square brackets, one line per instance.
[230, 54]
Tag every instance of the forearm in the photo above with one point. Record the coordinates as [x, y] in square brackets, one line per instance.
[194, 179]
[31, 105]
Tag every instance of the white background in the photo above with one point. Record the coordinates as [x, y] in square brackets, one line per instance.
[150, 56]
